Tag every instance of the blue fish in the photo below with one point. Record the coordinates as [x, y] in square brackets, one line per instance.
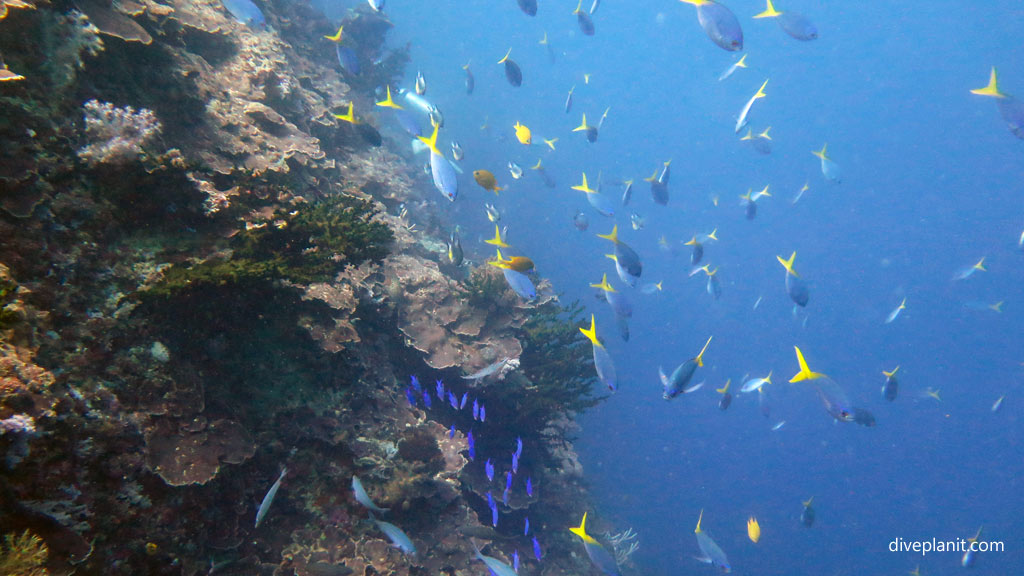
[536, 549]
[504, 497]
[520, 283]
[490, 501]
[515, 560]
[519, 446]
[416, 383]
[246, 12]
[494, 516]
[453, 400]
[526, 528]
[508, 480]
[409, 123]
[476, 410]
[483, 413]
[426, 399]
[440, 390]
[269, 498]
[362, 497]
[472, 445]
[451, 433]
[515, 463]
[462, 403]
[395, 534]
[489, 470]
[411, 396]
[529, 486]
[348, 60]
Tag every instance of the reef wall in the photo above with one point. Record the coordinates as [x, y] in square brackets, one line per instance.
[206, 277]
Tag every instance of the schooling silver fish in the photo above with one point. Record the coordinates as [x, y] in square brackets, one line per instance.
[395, 534]
[363, 498]
[515, 170]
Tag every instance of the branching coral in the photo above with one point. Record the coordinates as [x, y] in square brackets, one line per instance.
[23, 555]
[624, 543]
[116, 135]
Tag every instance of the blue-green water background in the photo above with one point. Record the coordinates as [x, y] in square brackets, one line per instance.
[932, 182]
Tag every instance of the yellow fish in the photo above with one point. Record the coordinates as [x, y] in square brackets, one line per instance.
[487, 180]
[753, 530]
[523, 134]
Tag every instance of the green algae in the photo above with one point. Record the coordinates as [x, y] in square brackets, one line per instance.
[312, 245]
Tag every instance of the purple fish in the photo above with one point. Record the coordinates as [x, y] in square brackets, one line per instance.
[519, 447]
[415, 383]
[410, 396]
[440, 390]
[536, 549]
[504, 497]
[515, 463]
[483, 413]
[489, 470]
[472, 445]
[451, 433]
[462, 403]
[508, 480]
[453, 400]
[426, 398]
[494, 516]
[476, 410]
[515, 560]
[529, 486]
[490, 501]
[526, 528]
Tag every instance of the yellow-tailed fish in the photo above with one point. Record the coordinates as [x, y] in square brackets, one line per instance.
[598, 554]
[470, 80]
[896, 312]
[498, 239]
[720, 24]
[891, 387]
[348, 116]
[1010, 108]
[627, 261]
[831, 395]
[807, 515]
[800, 193]
[441, 170]
[741, 120]
[590, 131]
[793, 23]
[389, 102]
[586, 24]
[741, 63]
[795, 286]
[829, 169]
[513, 73]
[970, 270]
[602, 360]
[679, 381]
[711, 552]
[550, 143]
[726, 400]
[568, 99]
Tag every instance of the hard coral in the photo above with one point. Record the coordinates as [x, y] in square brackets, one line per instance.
[116, 135]
[181, 456]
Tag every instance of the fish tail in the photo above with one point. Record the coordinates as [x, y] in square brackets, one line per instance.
[769, 12]
[992, 89]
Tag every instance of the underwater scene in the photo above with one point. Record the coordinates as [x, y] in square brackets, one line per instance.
[511, 287]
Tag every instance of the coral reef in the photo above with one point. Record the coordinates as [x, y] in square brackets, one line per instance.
[205, 277]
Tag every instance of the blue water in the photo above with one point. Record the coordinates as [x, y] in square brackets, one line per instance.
[932, 183]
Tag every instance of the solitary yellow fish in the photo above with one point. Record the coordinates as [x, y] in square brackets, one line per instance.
[753, 530]
[523, 134]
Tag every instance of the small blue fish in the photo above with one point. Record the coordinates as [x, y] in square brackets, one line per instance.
[269, 498]
[415, 384]
[515, 560]
[494, 516]
[453, 400]
[409, 123]
[348, 60]
[483, 413]
[411, 396]
[490, 501]
[246, 12]
[508, 480]
[529, 486]
[472, 445]
[526, 528]
[515, 463]
[504, 497]
[497, 567]
[396, 535]
[451, 433]
[440, 390]
[519, 446]
[520, 283]
[426, 399]
[476, 410]
[536, 549]
[489, 470]
[462, 403]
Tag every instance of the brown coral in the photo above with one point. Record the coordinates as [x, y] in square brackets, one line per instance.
[184, 455]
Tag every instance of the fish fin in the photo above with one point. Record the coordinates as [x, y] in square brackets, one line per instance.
[697, 529]
[760, 91]
[788, 264]
[891, 374]
[507, 54]
[807, 502]
[980, 265]
[592, 336]
[992, 89]
[823, 153]
[430, 142]
[663, 377]
[583, 125]
[741, 64]
[725, 388]
[693, 388]
[769, 12]
[337, 35]
[805, 372]
[699, 358]
[613, 236]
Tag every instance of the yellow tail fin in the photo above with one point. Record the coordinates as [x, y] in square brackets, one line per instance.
[699, 358]
[805, 372]
[583, 125]
[337, 35]
[992, 89]
[891, 374]
[823, 153]
[430, 142]
[769, 12]
[788, 264]
[760, 91]
[614, 236]
[509, 53]
[725, 388]
[592, 336]
[584, 187]
[388, 102]
[604, 285]
[699, 518]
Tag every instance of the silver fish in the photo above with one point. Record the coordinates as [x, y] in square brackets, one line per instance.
[421, 84]
[395, 534]
[515, 170]
[436, 118]
[377, 5]
[269, 498]
[487, 371]
[457, 152]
